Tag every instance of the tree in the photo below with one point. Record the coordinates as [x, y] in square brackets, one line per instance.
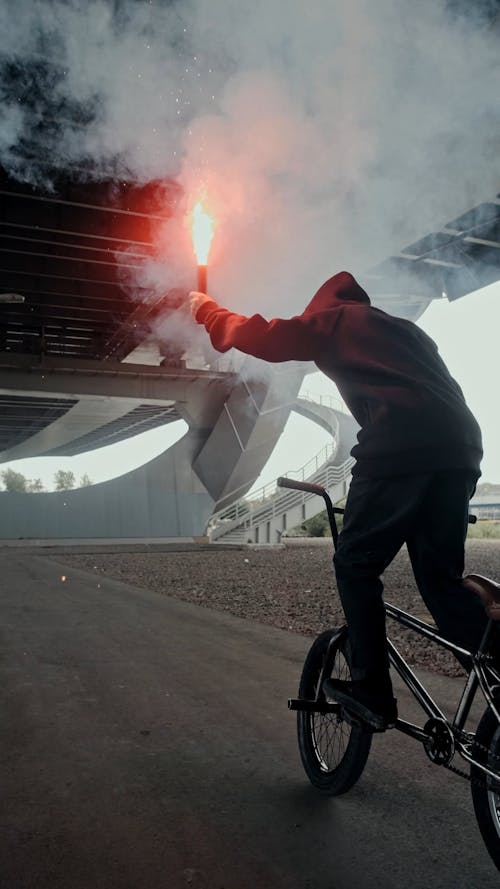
[64, 480]
[35, 486]
[318, 525]
[85, 481]
[14, 481]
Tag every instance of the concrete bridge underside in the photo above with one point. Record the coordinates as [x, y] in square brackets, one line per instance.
[70, 333]
[234, 423]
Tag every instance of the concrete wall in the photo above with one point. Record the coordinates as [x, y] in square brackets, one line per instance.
[234, 424]
[163, 498]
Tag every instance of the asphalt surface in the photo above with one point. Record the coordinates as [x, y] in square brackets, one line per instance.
[145, 743]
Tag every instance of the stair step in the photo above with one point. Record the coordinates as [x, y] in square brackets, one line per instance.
[284, 503]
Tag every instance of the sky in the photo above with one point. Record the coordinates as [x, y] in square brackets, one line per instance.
[326, 138]
[467, 334]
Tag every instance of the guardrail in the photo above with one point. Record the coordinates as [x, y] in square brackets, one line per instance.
[249, 513]
[335, 403]
[266, 502]
[266, 491]
[262, 495]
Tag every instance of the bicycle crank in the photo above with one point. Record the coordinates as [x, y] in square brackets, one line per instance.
[440, 743]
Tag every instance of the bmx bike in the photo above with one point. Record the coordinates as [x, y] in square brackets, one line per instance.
[334, 745]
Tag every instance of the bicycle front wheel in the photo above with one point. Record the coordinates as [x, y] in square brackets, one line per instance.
[333, 752]
[485, 789]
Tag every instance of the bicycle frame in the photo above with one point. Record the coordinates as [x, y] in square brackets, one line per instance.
[482, 674]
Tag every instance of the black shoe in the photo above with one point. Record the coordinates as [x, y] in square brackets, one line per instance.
[377, 711]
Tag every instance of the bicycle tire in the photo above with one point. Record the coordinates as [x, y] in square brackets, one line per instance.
[333, 752]
[485, 793]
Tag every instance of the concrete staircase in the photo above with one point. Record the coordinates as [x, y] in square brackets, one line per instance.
[263, 516]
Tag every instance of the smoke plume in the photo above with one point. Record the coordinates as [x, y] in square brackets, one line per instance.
[326, 135]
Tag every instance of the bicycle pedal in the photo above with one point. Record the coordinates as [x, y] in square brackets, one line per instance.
[357, 722]
[351, 719]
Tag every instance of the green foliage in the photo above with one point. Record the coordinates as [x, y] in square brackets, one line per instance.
[317, 526]
[14, 481]
[64, 480]
[484, 530]
[35, 486]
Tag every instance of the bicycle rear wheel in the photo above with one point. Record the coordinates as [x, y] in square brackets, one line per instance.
[333, 752]
[486, 790]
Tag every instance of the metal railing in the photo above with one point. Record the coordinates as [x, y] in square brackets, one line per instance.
[323, 456]
[248, 513]
[260, 496]
[266, 502]
[313, 465]
[334, 402]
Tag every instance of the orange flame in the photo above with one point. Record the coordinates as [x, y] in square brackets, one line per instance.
[202, 232]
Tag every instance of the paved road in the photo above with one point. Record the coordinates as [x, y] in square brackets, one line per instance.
[146, 745]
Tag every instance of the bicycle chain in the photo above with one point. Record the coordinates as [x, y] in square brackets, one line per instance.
[466, 738]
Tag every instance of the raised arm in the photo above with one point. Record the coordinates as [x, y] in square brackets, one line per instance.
[294, 339]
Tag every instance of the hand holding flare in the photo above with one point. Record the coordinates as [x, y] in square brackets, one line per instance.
[196, 299]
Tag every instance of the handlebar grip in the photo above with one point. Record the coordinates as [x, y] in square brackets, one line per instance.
[472, 519]
[283, 482]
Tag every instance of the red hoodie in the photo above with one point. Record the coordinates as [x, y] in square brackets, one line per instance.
[412, 413]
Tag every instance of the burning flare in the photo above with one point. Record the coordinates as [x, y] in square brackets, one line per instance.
[202, 232]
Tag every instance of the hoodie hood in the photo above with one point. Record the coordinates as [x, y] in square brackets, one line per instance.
[335, 292]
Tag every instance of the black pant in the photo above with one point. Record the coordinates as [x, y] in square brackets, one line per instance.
[428, 512]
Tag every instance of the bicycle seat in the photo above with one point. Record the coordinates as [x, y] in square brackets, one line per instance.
[488, 591]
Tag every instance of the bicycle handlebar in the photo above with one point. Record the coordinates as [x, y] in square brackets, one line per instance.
[311, 488]
[284, 482]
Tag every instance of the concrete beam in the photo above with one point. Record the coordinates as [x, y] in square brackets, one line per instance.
[86, 416]
[81, 377]
[199, 395]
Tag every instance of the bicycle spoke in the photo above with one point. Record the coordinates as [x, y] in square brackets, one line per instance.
[494, 789]
[333, 752]
[331, 734]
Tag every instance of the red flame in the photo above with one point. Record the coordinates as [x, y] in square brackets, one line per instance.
[202, 232]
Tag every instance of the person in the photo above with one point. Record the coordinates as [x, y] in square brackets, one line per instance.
[417, 461]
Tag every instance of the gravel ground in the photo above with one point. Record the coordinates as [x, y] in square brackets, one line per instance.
[291, 587]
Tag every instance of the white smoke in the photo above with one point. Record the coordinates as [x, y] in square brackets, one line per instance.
[326, 135]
